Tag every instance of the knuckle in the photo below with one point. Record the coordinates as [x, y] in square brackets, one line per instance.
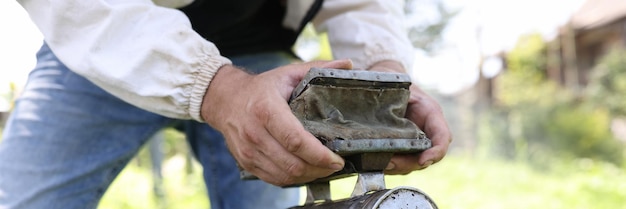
[296, 170]
[252, 137]
[293, 144]
[260, 110]
[247, 155]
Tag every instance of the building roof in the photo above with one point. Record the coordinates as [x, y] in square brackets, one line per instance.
[596, 13]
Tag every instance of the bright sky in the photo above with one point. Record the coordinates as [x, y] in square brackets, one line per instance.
[451, 70]
[501, 22]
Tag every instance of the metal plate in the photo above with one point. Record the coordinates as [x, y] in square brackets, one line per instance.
[347, 147]
[336, 77]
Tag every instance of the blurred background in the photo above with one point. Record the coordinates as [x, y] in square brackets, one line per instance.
[533, 90]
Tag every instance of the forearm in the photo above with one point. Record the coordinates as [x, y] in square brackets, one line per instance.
[144, 54]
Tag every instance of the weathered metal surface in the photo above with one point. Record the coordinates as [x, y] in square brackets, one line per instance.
[335, 77]
[347, 147]
[369, 182]
[318, 192]
[396, 198]
[342, 113]
[368, 105]
[358, 115]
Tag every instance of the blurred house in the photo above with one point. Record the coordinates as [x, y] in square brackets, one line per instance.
[592, 31]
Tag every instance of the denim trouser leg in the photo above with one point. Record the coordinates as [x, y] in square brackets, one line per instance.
[221, 174]
[67, 140]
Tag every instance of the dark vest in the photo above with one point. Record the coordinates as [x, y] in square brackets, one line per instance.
[239, 27]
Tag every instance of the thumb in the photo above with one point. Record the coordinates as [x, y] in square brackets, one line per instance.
[345, 64]
[298, 72]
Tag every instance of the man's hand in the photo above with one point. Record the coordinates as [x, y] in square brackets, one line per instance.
[426, 113]
[261, 132]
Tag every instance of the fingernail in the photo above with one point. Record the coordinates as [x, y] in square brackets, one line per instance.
[336, 166]
[427, 163]
[390, 166]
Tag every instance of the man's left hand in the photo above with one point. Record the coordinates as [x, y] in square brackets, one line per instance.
[426, 113]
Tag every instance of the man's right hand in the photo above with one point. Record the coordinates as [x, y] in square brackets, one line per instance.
[261, 132]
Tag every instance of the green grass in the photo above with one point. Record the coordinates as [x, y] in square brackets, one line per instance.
[467, 183]
[456, 182]
[134, 188]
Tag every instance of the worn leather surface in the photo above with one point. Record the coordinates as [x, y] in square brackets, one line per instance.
[332, 112]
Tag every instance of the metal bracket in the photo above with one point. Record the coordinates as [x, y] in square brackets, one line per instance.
[355, 146]
[369, 79]
[369, 182]
[318, 192]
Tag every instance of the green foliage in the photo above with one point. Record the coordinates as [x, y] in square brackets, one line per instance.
[583, 132]
[182, 185]
[467, 183]
[608, 82]
[527, 89]
[528, 56]
[543, 120]
[134, 188]
[523, 85]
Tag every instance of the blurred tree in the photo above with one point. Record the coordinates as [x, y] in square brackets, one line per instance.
[523, 95]
[523, 84]
[545, 121]
[583, 132]
[608, 82]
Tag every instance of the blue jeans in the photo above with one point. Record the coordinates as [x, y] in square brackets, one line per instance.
[67, 139]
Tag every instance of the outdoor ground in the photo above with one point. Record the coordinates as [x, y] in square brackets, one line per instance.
[458, 182]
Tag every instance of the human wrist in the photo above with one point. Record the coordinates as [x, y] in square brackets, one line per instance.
[221, 87]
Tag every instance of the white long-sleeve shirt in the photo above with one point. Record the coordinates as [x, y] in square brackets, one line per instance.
[147, 53]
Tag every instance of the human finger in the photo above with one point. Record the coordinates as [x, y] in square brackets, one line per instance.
[345, 64]
[313, 160]
[258, 153]
[289, 132]
[404, 164]
[287, 129]
[426, 113]
[294, 73]
[291, 169]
